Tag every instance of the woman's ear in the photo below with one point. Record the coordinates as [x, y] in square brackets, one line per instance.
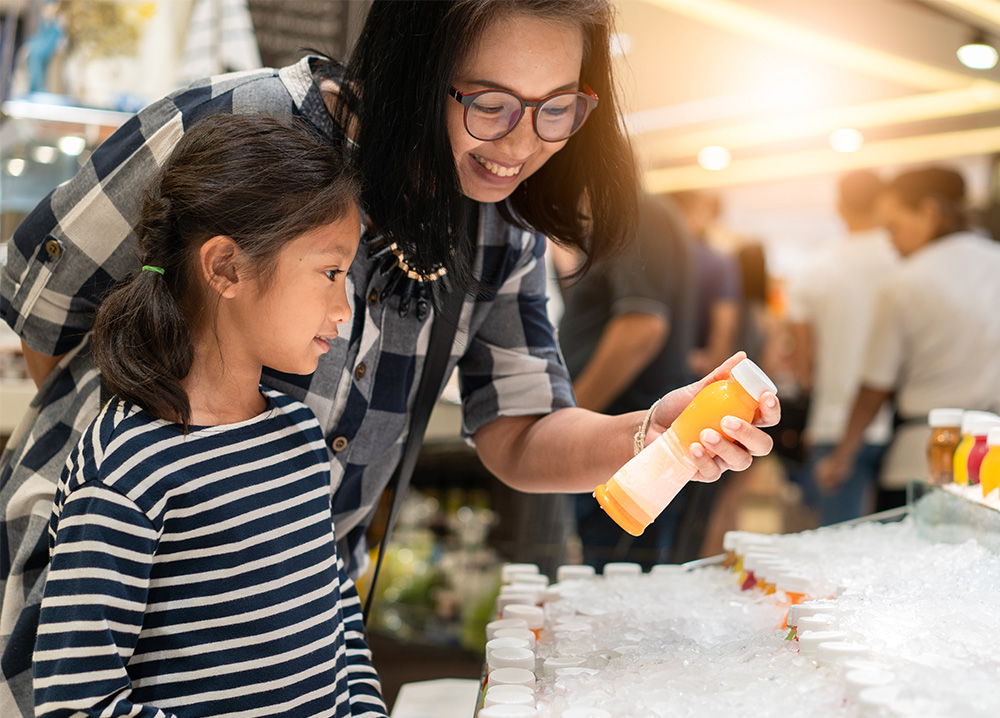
[218, 259]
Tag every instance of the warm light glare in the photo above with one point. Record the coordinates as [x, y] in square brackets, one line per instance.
[714, 157]
[978, 56]
[43, 154]
[846, 139]
[621, 44]
[15, 167]
[72, 145]
[789, 89]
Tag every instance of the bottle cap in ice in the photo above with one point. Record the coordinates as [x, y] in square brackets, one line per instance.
[752, 378]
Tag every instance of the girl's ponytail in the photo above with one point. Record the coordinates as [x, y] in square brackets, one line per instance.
[142, 343]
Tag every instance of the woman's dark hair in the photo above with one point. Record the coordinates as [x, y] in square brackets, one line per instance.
[394, 99]
[262, 182]
[945, 187]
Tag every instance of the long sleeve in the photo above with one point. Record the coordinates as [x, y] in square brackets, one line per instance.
[94, 606]
[362, 680]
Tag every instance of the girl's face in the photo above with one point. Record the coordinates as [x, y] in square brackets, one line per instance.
[910, 227]
[288, 322]
[532, 58]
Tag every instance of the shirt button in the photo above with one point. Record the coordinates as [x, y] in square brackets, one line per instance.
[340, 443]
[359, 372]
[53, 248]
[373, 297]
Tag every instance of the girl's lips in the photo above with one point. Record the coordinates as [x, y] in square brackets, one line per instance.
[497, 169]
[323, 342]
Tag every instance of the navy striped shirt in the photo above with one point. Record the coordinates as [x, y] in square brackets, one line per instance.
[198, 575]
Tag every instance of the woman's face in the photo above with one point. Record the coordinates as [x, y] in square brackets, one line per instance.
[911, 227]
[532, 58]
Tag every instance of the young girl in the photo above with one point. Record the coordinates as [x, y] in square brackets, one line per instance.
[193, 569]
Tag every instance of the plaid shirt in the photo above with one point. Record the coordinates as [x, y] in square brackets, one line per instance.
[81, 240]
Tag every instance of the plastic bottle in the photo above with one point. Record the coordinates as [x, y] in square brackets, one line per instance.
[960, 461]
[643, 487]
[980, 429]
[989, 470]
[946, 430]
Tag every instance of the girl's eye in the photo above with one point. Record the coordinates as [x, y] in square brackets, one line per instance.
[332, 274]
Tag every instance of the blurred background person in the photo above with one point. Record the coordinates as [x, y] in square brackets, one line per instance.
[830, 306]
[935, 335]
[717, 284]
[626, 333]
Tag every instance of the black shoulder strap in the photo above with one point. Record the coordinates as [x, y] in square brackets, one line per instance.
[431, 380]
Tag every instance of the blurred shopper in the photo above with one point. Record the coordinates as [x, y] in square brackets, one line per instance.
[935, 335]
[717, 283]
[626, 333]
[830, 307]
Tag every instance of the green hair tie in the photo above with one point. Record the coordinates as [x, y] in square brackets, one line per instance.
[148, 268]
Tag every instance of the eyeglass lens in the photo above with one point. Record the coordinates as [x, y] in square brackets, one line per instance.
[494, 114]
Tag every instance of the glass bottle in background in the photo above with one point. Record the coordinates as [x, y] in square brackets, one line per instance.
[946, 430]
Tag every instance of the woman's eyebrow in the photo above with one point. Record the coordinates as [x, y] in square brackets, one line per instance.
[488, 85]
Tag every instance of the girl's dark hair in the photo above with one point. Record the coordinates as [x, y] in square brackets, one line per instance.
[261, 181]
[394, 99]
[944, 186]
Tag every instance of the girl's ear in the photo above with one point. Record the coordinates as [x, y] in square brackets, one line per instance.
[218, 259]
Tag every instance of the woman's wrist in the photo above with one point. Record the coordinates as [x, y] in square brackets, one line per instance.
[639, 439]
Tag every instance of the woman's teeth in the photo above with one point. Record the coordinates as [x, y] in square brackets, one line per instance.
[497, 169]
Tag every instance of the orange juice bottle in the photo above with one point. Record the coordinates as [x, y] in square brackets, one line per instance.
[989, 470]
[641, 489]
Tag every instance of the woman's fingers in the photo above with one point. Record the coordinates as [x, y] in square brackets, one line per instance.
[732, 451]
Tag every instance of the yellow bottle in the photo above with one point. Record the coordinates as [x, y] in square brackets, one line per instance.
[989, 470]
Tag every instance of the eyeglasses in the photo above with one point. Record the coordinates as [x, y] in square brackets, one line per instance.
[492, 114]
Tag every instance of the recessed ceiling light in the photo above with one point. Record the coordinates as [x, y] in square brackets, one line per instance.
[714, 158]
[977, 54]
[846, 139]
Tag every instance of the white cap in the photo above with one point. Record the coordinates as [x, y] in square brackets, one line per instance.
[511, 677]
[793, 583]
[754, 556]
[945, 417]
[521, 597]
[809, 608]
[572, 572]
[523, 634]
[509, 570]
[508, 711]
[747, 540]
[509, 696]
[974, 422]
[619, 569]
[506, 642]
[770, 569]
[493, 626]
[510, 658]
[993, 437]
[667, 569]
[832, 652]
[752, 378]
[534, 615]
[554, 663]
[815, 622]
[857, 680]
[809, 640]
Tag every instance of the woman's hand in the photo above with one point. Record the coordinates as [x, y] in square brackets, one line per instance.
[717, 453]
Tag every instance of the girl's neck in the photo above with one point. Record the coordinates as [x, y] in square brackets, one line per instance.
[221, 391]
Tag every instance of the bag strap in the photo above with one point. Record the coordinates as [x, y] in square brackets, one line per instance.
[431, 380]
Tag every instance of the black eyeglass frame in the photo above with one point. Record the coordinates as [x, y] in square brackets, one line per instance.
[467, 98]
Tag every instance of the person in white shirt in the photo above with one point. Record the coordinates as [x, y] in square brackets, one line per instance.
[935, 335]
[830, 308]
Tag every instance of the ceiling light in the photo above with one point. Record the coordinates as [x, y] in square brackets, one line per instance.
[44, 154]
[15, 167]
[978, 54]
[846, 139]
[714, 157]
[72, 145]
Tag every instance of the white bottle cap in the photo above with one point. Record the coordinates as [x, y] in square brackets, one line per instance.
[770, 569]
[816, 622]
[506, 642]
[971, 418]
[793, 583]
[833, 652]
[509, 570]
[572, 572]
[752, 378]
[508, 711]
[534, 615]
[730, 539]
[493, 626]
[509, 696]
[981, 425]
[809, 608]
[510, 658]
[993, 437]
[667, 569]
[521, 598]
[945, 417]
[520, 633]
[620, 569]
[747, 540]
[753, 557]
[511, 677]
[554, 663]
[809, 640]
[858, 680]
[534, 580]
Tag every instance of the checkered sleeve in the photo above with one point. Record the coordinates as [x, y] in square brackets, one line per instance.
[512, 365]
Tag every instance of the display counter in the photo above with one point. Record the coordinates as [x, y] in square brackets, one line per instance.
[896, 618]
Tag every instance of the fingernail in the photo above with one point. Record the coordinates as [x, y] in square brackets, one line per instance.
[771, 402]
[709, 436]
[697, 451]
[730, 423]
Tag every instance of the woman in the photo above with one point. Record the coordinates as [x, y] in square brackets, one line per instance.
[446, 191]
[935, 335]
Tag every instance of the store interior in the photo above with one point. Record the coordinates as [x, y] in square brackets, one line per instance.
[761, 104]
